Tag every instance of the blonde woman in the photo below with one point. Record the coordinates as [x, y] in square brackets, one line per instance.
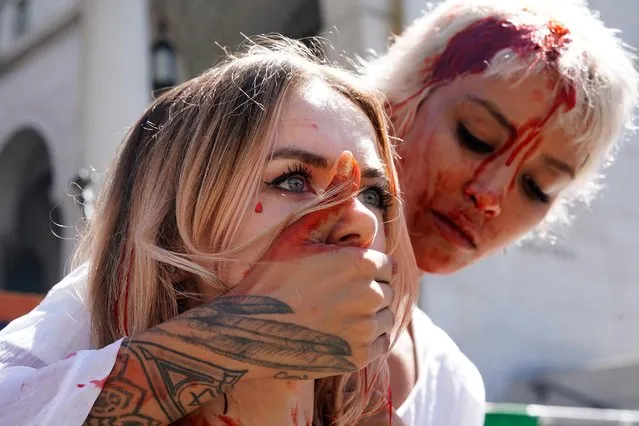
[505, 111]
[240, 235]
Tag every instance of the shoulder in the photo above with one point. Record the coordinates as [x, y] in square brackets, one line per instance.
[38, 334]
[454, 376]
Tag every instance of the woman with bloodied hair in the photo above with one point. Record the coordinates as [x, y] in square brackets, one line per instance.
[504, 111]
[244, 232]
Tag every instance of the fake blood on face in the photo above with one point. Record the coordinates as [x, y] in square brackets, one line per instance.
[462, 57]
[527, 137]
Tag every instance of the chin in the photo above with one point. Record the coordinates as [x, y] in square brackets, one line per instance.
[438, 262]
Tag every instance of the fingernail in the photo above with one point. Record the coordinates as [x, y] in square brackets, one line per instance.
[345, 164]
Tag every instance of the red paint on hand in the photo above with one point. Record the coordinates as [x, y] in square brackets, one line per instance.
[228, 421]
[259, 208]
[308, 235]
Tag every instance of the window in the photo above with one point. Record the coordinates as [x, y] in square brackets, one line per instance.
[21, 18]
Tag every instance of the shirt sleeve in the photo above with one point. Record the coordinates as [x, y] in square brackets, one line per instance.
[62, 392]
[48, 375]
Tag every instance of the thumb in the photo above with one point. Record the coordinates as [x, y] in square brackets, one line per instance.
[307, 234]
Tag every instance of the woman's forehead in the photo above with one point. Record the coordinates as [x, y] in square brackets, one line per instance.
[319, 119]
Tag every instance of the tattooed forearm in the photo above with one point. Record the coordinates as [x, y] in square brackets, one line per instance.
[153, 385]
[165, 373]
[268, 343]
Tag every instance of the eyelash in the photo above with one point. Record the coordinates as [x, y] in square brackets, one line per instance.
[296, 170]
[473, 143]
[385, 196]
[533, 190]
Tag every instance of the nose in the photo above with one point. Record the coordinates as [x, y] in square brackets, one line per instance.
[356, 226]
[486, 191]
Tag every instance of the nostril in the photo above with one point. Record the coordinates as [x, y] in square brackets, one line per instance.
[473, 198]
[349, 238]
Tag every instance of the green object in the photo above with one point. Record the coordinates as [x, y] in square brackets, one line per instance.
[510, 419]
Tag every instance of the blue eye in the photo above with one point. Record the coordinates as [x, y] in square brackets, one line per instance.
[377, 196]
[293, 184]
[370, 196]
[295, 180]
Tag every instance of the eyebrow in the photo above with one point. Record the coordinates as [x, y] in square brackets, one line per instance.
[559, 165]
[321, 162]
[496, 113]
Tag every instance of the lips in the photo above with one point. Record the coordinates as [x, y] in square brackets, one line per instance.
[455, 231]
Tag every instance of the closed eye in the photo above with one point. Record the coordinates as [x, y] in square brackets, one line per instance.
[472, 142]
[533, 191]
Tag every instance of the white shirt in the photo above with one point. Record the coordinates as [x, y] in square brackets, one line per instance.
[38, 386]
[449, 389]
[47, 375]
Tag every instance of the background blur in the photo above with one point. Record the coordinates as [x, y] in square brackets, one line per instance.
[544, 323]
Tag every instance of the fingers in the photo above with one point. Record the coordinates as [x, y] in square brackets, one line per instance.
[380, 347]
[373, 263]
[385, 319]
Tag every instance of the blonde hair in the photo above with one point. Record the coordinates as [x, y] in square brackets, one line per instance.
[166, 208]
[593, 62]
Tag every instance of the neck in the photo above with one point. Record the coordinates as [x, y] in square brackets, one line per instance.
[263, 402]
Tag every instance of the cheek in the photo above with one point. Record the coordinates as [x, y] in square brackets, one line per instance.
[518, 218]
[379, 243]
[435, 167]
[262, 215]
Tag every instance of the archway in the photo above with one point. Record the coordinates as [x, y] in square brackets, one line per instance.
[29, 248]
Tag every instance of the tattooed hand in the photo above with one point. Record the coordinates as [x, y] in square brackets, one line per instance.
[311, 308]
[338, 295]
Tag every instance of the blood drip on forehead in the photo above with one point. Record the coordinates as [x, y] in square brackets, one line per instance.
[471, 50]
[527, 137]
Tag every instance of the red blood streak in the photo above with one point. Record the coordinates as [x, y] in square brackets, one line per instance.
[295, 412]
[527, 136]
[80, 385]
[390, 406]
[462, 56]
[72, 354]
[302, 237]
[259, 208]
[99, 383]
[228, 421]
[537, 96]
[116, 309]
